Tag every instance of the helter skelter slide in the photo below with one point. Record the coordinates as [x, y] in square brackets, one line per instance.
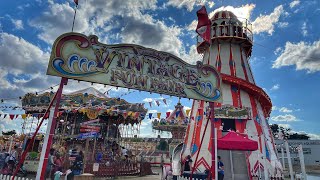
[226, 43]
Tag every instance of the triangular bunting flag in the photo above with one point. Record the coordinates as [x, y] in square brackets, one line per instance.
[168, 114]
[177, 113]
[158, 103]
[137, 115]
[165, 101]
[150, 115]
[5, 115]
[24, 116]
[11, 116]
[150, 103]
[124, 114]
[16, 116]
[188, 111]
[158, 114]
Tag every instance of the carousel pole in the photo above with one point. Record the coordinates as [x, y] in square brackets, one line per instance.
[11, 142]
[48, 141]
[24, 154]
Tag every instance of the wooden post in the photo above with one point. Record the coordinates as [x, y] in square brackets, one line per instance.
[94, 147]
[301, 158]
[86, 154]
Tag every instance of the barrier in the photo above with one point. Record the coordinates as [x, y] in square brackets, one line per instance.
[9, 177]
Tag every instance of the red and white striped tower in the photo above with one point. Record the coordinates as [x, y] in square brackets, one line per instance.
[229, 51]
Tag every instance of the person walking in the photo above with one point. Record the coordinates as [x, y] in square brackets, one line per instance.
[187, 163]
[50, 165]
[220, 169]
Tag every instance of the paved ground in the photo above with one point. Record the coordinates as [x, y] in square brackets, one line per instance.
[155, 170]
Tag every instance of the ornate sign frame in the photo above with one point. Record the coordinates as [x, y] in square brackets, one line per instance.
[76, 56]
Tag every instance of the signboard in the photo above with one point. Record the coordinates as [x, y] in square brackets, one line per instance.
[90, 127]
[79, 57]
[88, 135]
[88, 130]
[89, 122]
[230, 112]
[95, 167]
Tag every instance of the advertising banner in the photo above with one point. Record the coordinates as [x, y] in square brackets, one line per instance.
[83, 58]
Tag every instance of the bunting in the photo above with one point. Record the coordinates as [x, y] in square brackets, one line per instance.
[158, 103]
[177, 113]
[164, 101]
[158, 115]
[150, 115]
[188, 111]
[167, 114]
[150, 103]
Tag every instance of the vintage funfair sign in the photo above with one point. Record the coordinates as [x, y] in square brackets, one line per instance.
[79, 57]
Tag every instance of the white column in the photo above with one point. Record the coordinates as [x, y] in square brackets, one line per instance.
[231, 167]
[265, 170]
[301, 157]
[10, 146]
[289, 159]
[216, 152]
[282, 157]
[45, 143]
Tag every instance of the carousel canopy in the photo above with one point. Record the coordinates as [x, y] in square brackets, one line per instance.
[90, 90]
[178, 113]
[89, 97]
[234, 141]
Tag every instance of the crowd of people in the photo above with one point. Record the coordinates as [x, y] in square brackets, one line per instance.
[9, 160]
[111, 152]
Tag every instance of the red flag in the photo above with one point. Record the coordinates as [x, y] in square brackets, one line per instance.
[76, 1]
[11, 116]
[204, 24]
[168, 114]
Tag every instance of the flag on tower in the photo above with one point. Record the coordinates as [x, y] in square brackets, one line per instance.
[204, 24]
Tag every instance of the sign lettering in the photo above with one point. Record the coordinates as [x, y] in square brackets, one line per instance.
[79, 57]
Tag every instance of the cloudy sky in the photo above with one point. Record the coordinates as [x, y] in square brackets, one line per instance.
[285, 59]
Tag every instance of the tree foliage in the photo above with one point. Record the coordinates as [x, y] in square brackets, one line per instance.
[286, 133]
[9, 133]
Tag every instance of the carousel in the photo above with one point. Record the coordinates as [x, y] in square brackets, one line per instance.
[176, 123]
[91, 122]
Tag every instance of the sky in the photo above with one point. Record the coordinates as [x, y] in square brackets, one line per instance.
[285, 60]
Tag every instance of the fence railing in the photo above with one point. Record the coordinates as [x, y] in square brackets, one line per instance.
[9, 177]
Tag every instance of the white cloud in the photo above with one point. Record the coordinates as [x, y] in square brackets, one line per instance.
[285, 110]
[17, 23]
[294, 4]
[192, 56]
[283, 24]
[278, 50]
[241, 12]
[275, 87]
[147, 100]
[265, 23]
[189, 4]
[284, 118]
[274, 108]
[285, 125]
[304, 30]
[305, 56]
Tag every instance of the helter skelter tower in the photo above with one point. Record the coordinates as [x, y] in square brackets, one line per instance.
[229, 49]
